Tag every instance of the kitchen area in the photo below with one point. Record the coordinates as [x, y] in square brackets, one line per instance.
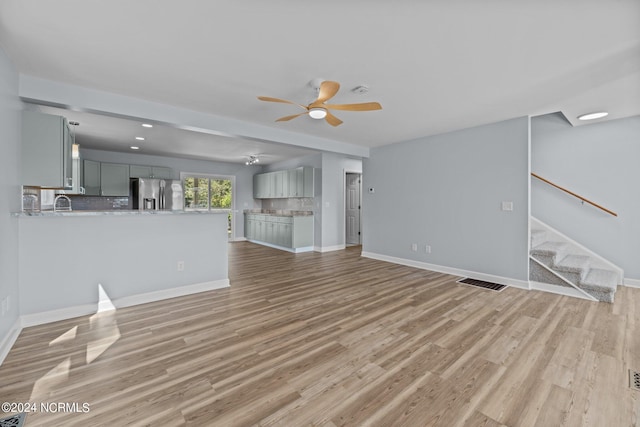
[90, 230]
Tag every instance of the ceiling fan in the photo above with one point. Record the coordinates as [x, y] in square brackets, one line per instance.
[318, 109]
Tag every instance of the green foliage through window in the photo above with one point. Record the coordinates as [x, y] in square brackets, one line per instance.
[207, 193]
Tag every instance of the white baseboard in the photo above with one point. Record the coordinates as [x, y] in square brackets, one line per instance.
[560, 290]
[282, 248]
[522, 284]
[239, 239]
[179, 291]
[86, 309]
[50, 316]
[10, 339]
[329, 248]
[632, 283]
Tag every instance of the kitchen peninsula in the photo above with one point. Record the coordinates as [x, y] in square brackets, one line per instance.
[135, 256]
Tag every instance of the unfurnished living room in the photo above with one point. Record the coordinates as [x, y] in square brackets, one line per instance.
[341, 214]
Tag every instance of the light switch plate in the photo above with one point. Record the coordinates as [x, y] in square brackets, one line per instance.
[507, 206]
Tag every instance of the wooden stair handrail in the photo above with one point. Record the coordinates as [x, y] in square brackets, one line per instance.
[574, 194]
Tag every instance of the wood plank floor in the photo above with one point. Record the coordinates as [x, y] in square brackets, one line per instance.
[334, 339]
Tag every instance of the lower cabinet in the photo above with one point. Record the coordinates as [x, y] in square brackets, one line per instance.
[291, 232]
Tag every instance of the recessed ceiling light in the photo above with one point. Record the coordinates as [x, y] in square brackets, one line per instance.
[593, 116]
[133, 147]
[140, 138]
[147, 125]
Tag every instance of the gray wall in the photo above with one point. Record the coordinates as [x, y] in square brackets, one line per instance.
[10, 107]
[600, 162]
[446, 191]
[244, 175]
[64, 258]
[333, 187]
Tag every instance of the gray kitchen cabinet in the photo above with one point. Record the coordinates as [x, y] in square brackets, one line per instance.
[296, 186]
[282, 231]
[159, 172]
[46, 151]
[262, 186]
[91, 177]
[114, 179]
[283, 184]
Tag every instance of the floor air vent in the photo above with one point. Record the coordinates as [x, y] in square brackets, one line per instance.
[634, 380]
[16, 420]
[482, 284]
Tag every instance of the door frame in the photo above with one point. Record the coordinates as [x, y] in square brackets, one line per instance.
[344, 204]
[232, 178]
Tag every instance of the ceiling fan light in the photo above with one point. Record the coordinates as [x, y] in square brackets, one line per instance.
[317, 113]
[593, 116]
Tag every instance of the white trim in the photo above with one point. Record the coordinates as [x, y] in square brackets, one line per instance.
[329, 248]
[559, 290]
[282, 248]
[632, 283]
[521, 284]
[50, 316]
[86, 309]
[10, 339]
[240, 239]
[179, 291]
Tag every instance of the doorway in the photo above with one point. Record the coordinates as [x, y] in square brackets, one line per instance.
[353, 208]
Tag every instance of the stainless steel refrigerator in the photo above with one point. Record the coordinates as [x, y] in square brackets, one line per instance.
[157, 194]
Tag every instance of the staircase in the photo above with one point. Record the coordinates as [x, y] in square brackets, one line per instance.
[561, 265]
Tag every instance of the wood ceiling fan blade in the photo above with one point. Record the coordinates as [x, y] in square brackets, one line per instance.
[328, 89]
[287, 118]
[284, 101]
[332, 120]
[365, 106]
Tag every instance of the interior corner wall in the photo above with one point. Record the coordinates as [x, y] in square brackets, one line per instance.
[10, 193]
[600, 162]
[333, 186]
[446, 191]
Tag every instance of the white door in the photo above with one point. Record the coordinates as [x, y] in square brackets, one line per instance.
[352, 209]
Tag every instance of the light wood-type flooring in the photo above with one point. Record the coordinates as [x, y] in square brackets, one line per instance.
[334, 339]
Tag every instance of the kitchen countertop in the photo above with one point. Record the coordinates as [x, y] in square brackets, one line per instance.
[117, 213]
[278, 212]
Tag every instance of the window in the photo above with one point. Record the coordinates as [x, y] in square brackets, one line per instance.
[208, 192]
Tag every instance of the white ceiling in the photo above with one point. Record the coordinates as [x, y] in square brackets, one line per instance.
[435, 66]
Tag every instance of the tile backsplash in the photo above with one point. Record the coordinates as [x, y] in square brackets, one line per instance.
[290, 204]
[96, 203]
[36, 199]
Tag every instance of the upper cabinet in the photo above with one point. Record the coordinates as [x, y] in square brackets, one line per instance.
[46, 151]
[114, 179]
[158, 172]
[284, 184]
[91, 177]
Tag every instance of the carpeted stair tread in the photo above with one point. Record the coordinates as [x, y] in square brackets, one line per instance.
[600, 279]
[538, 237]
[550, 248]
[574, 264]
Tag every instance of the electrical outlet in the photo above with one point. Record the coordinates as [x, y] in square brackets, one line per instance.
[427, 249]
[414, 247]
[180, 265]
